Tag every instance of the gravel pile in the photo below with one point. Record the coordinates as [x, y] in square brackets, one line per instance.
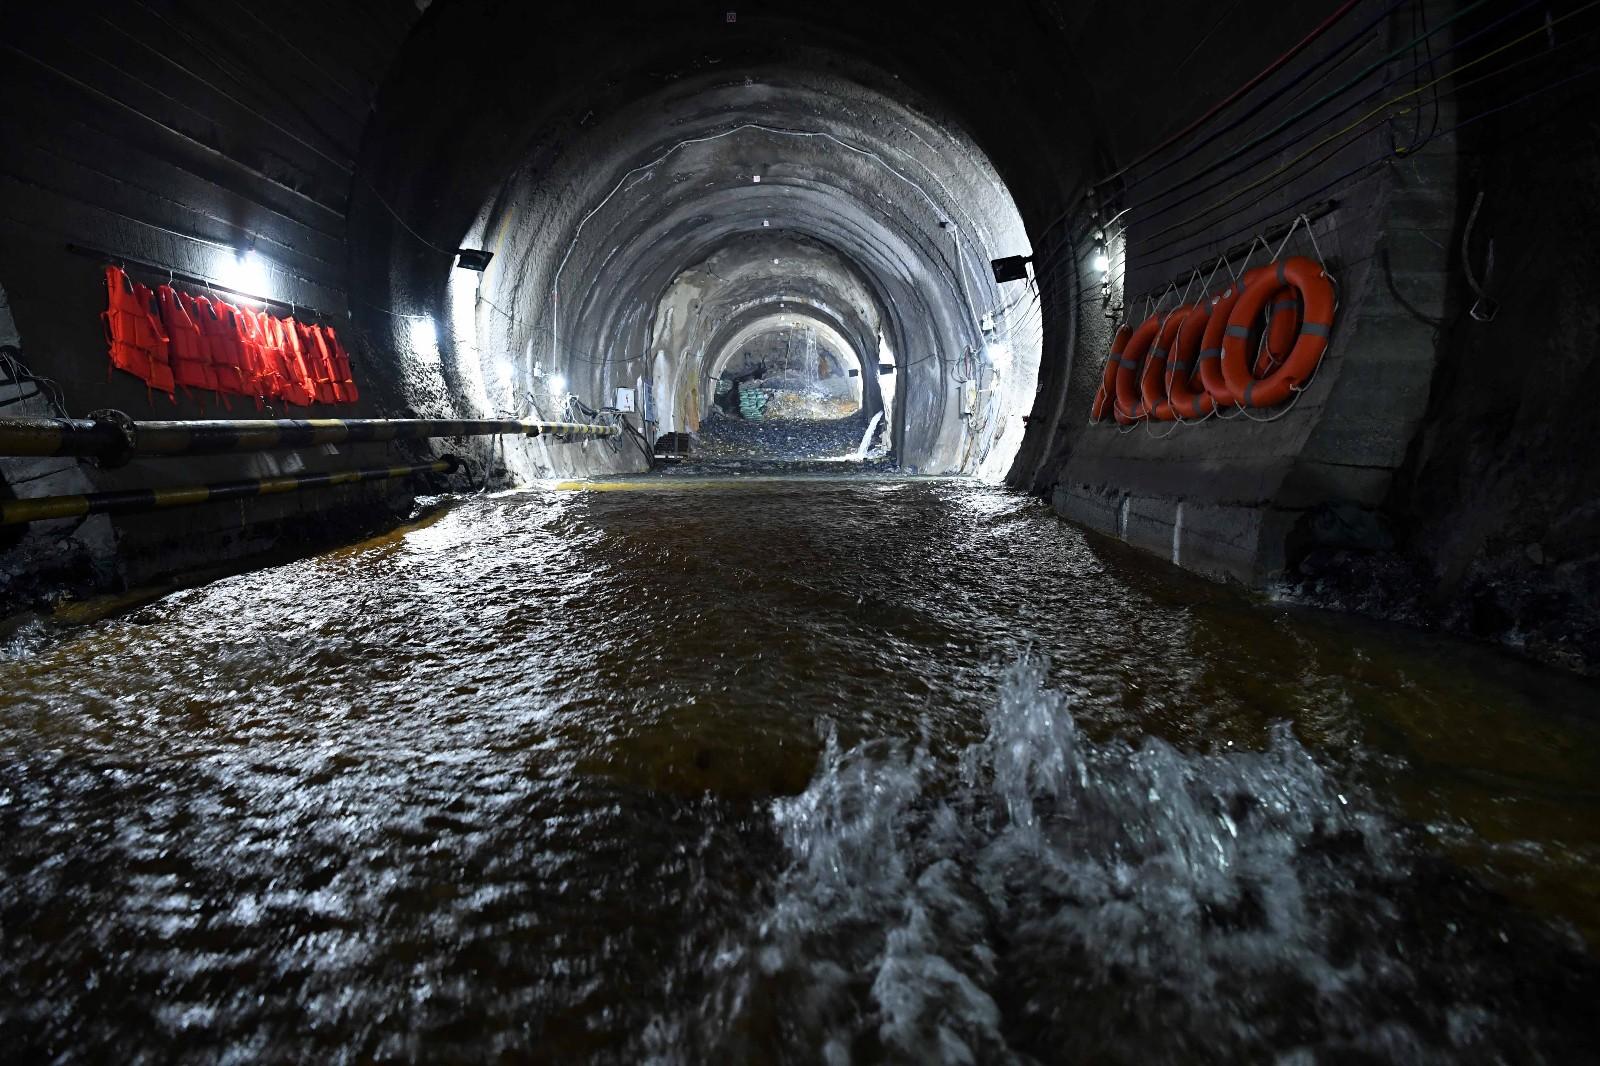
[724, 440]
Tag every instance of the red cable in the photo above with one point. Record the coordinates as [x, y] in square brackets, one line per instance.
[1271, 69]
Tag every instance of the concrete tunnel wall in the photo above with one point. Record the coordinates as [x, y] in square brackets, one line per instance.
[168, 136]
[587, 251]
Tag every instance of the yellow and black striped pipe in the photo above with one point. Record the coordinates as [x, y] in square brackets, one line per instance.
[129, 501]
[114, 436]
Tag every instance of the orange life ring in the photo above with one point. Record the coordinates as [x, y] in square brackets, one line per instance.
[1127, 405]
[1153, 381]
[1211, 347]
[1183, 399]
[1283, 326]
[1108, 377]
[1316, 292]
[1211, 344]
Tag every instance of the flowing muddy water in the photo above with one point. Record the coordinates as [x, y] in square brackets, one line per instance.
[789, 770]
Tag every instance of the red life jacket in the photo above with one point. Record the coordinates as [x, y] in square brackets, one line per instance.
[344, 378]
[318, 355]
[159, 345]
[222, 345]
[120, 318]
[319, 370]
[191, 356]
[262, 362]
[318, 360]
[133, 332]
[294, 384]
[300, 386]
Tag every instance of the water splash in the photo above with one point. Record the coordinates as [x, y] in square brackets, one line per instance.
[1052, 898]
[866, 438]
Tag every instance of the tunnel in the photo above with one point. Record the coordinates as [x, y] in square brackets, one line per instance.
[707, 182]
[1052, 531]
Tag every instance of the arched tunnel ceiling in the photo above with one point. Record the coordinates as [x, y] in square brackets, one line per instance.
[606, 207]
[483, 87]
[913, 215]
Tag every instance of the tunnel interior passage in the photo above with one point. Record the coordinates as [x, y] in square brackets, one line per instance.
[769, 316]
[780, 208]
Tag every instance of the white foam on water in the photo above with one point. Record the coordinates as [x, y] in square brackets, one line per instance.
[1130, 897]
[866, 438]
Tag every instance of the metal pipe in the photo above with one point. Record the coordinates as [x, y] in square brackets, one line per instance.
[114, 437]
[129, 501]
[300, 311]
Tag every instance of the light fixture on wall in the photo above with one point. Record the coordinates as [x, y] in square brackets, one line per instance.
[424, 334]
[473, 258]
[1100, 261]
[558, 385]
[247, 272]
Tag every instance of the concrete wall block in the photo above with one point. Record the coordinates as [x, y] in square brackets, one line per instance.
[1084, 505]
[1216, 442]
[1361, 441]
[1149, 523]
[1361, 425]
[1424, 205]
[1419, 253]
[1312, 482]
[1391, 336]
[1219, 541]
[1238, 479]
[1410, 288]
[1382, 387]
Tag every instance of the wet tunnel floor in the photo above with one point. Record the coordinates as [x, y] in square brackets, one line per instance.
[827, 769]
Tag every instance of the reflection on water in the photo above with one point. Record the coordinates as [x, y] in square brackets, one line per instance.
[794, 770]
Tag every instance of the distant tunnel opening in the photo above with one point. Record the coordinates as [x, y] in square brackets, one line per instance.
[799, 368]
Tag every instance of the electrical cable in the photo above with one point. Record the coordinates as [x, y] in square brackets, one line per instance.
[1397, 151]
[1479, 311]
[378, 196]
[1301, 84]
[1284, 168]
[1052, 256]
[116, 103]
[1231, 98]
[1341, 90]
[1268, 100]
[1419, 16]
[345, 165]
[638, 438]
[1272, 151]
[18, 372]
[1386, 157]
[1221, 20]
[1050, 259]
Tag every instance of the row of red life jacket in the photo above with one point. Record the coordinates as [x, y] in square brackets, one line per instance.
[168, 338]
